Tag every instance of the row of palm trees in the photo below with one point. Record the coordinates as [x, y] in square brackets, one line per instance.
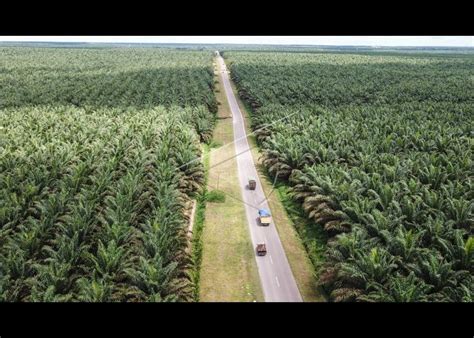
[390, 183]
[331, 80]
[392, 197]
[118, 78]
[93, 205]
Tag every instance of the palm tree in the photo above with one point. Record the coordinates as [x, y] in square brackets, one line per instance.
[109, 261]
[367, 268]
[435, 271]
[398, 289]
[95, 290]
[405, 244]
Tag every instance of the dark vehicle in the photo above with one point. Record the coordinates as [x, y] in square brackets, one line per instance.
[252, 183]
[261, 249]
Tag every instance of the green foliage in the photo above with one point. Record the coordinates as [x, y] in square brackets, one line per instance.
[215, 144]
[114, 78]
[332, 80]
[215, 196]
[197, 243]
[99, 155]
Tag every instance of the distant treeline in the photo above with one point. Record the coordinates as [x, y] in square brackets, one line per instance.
[242, 47]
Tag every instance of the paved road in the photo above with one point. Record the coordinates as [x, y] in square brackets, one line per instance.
[278, 282]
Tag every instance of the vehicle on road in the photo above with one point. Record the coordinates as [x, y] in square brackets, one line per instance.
[252, 183]
[261, 249]
[265, 217]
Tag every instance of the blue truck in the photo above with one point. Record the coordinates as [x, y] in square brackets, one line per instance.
[264, 216]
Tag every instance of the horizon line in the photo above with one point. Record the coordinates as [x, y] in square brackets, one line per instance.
[233, 43]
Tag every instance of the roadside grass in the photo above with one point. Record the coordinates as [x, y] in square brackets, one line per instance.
[300, 244]
[228, 267]
[215, 196]
[215, 144]
[313, 236]
[199, 218]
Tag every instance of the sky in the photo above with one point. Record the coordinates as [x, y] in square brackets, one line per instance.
[442, 41]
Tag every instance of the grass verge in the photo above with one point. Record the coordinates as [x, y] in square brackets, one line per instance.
[199, 218]
[228, 267]
[215, 196]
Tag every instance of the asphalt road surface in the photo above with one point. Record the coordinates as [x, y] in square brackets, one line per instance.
[278, 282]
